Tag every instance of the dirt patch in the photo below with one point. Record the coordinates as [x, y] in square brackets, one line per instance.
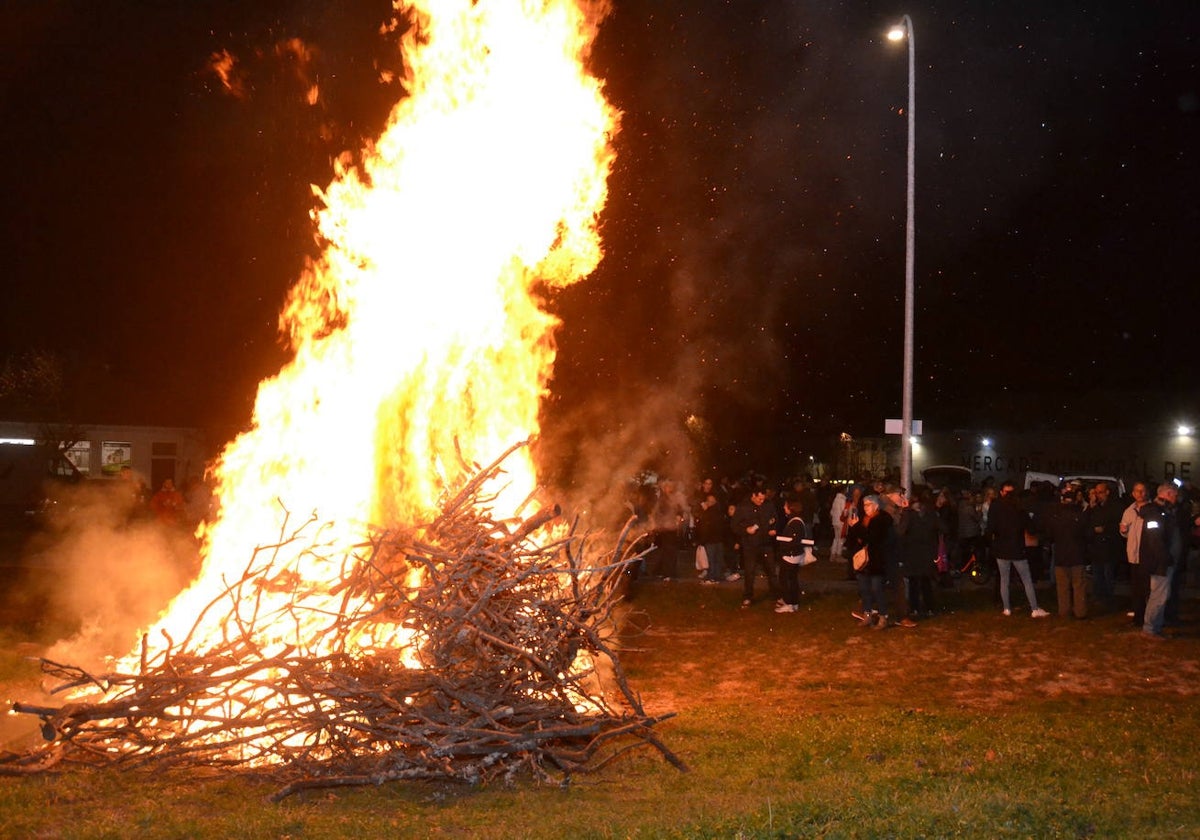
[967, 656]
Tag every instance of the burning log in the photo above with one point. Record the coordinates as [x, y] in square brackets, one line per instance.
[498, 661]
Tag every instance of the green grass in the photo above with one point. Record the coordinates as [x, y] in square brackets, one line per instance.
[803, 725]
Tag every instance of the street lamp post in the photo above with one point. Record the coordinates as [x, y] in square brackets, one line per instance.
[905, 31]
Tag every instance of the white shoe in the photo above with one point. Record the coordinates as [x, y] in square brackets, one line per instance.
[1039, 613]
[786, 608]
[732, 578]
[1007, 612]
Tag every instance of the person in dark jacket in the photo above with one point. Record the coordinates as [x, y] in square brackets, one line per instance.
[1006, 530]
[754, 525]
[1066, 527]
[947, 513]
[970, 530]
[668, 518]
[875, 534]
[1158, 554]
[792, 540]
[918, 533]
[1104, 545]
[711, 524]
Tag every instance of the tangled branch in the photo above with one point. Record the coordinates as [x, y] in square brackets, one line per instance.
[462, 650]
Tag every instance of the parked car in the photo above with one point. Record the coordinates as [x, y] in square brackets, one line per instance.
[947, 477]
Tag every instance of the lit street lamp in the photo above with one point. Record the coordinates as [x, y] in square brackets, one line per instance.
[903, 31]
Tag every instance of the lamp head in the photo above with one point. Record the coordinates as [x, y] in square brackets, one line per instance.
[897, 33]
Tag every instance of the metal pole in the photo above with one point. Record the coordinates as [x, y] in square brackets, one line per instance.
[910, 235]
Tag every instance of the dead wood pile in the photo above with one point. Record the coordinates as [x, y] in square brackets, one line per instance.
[510, 667]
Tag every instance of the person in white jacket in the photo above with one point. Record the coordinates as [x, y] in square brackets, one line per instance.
[835, 516]
[1131, 530]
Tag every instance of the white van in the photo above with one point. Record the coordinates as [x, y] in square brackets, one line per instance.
[1032, 478]
[950, 477]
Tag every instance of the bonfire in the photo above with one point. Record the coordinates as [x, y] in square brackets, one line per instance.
[513, 668]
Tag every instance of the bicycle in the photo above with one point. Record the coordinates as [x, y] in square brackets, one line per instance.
[975, 570]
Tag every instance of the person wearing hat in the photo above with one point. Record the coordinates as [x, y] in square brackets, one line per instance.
[1066, 529]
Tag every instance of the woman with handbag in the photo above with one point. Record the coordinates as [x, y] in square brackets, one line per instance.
[869, 542]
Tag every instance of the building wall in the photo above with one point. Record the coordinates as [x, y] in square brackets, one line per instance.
[153, 452]
[1129, 455]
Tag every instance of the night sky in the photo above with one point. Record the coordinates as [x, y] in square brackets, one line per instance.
[754, 234]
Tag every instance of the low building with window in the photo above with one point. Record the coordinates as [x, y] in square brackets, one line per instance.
[32, 454]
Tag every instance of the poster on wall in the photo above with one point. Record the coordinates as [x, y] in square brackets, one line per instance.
[114, 455]
[80, 455]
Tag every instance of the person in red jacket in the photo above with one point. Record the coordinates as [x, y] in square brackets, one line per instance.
[167, 504]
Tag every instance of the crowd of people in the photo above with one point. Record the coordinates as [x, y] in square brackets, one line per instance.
[900, 547]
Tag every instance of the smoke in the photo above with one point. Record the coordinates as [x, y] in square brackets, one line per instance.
[105, 570]
[597, 453]
[706, 326]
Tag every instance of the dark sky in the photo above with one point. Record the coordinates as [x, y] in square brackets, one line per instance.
[754, 234]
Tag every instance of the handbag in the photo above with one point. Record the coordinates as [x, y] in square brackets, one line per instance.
[860, 559]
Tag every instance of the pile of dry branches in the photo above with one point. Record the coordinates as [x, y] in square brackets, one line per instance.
[516, 668]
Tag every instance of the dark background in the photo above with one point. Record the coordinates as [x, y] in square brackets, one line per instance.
[751, 292]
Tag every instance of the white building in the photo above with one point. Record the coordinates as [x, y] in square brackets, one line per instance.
[154, 453]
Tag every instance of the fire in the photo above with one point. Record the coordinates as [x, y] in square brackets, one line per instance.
[421, 348]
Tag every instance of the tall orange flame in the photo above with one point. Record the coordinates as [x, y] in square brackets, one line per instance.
[420, 345]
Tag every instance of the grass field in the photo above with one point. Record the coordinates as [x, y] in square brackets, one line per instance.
[801, 725]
